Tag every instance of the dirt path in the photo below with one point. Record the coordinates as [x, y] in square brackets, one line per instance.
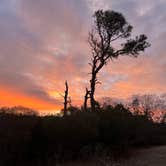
[146, 157]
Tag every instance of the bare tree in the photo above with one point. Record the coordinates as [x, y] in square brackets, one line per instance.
[66, 98]
[135, 104]
[163, 118]
[109, 27]
[87, 96]
[149, 105]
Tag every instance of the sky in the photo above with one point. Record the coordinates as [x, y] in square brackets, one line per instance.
[43, 43]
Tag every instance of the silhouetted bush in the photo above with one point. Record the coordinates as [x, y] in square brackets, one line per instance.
[45, 140]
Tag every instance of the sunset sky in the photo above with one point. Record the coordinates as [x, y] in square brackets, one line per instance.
[44, 42]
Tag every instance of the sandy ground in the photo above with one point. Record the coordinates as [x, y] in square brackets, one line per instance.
[146, 157]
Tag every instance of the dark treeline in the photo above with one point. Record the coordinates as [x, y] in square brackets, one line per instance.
[33, 140]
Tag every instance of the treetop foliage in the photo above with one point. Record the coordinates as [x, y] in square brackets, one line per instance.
[110, 26]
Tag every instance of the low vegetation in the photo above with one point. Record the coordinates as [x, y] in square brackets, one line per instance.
[109, 131]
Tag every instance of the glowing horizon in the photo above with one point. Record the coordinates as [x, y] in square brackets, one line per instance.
[43, 44]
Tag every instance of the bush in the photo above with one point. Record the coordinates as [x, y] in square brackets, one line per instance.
[33, 139]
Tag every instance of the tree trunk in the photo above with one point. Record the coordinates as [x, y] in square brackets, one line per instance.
[92, 92]
[66, 99]
[86, 99]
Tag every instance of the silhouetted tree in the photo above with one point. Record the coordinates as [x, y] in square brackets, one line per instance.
[72, 110]
[163, 119]
[109, 27]
[19, 110]
[87, 96]
[135, 106]
[66, 98]
[148, 104]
